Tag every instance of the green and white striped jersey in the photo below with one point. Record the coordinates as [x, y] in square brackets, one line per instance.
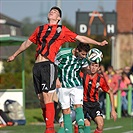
[69, 68]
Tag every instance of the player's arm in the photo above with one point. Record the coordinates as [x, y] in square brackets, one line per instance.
[113, 112]
[58, 83]
[105, 87]
[22, 48]
[85, 39]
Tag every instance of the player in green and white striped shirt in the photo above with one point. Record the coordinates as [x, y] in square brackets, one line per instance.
[70, 62]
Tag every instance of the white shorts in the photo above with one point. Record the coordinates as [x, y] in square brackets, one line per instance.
[70, 96]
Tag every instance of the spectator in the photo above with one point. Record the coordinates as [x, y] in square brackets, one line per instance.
[119, 73]
[124, 85]
[112, 80]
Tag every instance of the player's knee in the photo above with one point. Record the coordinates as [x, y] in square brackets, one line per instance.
[48, 97]
[100, 125]
[66, 111]
[87, 123]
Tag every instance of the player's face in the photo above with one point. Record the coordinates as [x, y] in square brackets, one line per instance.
[54, 14]
[82, 54]
[94, 67]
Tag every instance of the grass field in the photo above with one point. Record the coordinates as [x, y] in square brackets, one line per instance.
[35, 125]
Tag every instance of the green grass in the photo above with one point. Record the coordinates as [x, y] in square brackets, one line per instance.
[34, 124]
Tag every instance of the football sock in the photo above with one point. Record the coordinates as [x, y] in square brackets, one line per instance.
[80, 117]
[98, 131]
[67, 123]
[80, 130]
[50, 112]
[87, 129]
[61, 130]
[75, 128]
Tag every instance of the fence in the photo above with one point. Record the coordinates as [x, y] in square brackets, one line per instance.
[119, 110]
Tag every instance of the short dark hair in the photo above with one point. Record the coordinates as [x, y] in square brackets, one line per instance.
[83, 47]
[57, 8]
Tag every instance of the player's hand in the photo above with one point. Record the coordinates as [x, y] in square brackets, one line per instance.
[114, 115]
[58, 83]
[11, 58]
[103, 43]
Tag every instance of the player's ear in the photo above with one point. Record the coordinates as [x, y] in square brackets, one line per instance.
[76, 50]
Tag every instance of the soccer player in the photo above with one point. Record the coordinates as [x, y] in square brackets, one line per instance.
[70, 62]
[49, 38]
[92, 83]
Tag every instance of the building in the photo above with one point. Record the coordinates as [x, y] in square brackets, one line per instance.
[123, 46]
[9, 26]
[10, 37]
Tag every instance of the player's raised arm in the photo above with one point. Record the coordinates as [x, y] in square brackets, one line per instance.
[85, 39]
[22, 48]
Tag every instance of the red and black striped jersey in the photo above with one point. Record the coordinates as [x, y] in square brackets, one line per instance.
[92, 85]
[49, 39]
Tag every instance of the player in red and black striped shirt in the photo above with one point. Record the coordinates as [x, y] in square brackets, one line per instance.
[49, 38]
[93, 82]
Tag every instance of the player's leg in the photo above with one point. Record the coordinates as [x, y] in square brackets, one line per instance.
[42, 104]
[37, 83]
[87, 117]
[67, 120]
[49, 112]
[97, 116]
[45, 78]
[49, 76]
[73, 117]
[61, 129]
[100, 123]
[64, 99]
[87, 126]
[77, 100]
[79, 117]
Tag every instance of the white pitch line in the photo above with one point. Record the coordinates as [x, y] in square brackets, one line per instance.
[111, 128]
[128, 132]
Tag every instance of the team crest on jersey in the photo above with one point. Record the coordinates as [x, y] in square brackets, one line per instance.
[90, 82]
[97, 85]
[58, 29]
[49, 29]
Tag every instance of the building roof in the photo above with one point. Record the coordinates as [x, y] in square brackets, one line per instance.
[9, 21]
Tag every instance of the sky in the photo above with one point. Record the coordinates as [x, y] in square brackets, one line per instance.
[19, 9]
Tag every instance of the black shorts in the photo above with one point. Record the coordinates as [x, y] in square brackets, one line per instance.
[91, 110]
[44, 76]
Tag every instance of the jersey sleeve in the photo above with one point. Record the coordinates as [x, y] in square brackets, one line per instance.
[69, 35]
[81, 74]
[103, 84]
[33, 37]
[58, 57]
